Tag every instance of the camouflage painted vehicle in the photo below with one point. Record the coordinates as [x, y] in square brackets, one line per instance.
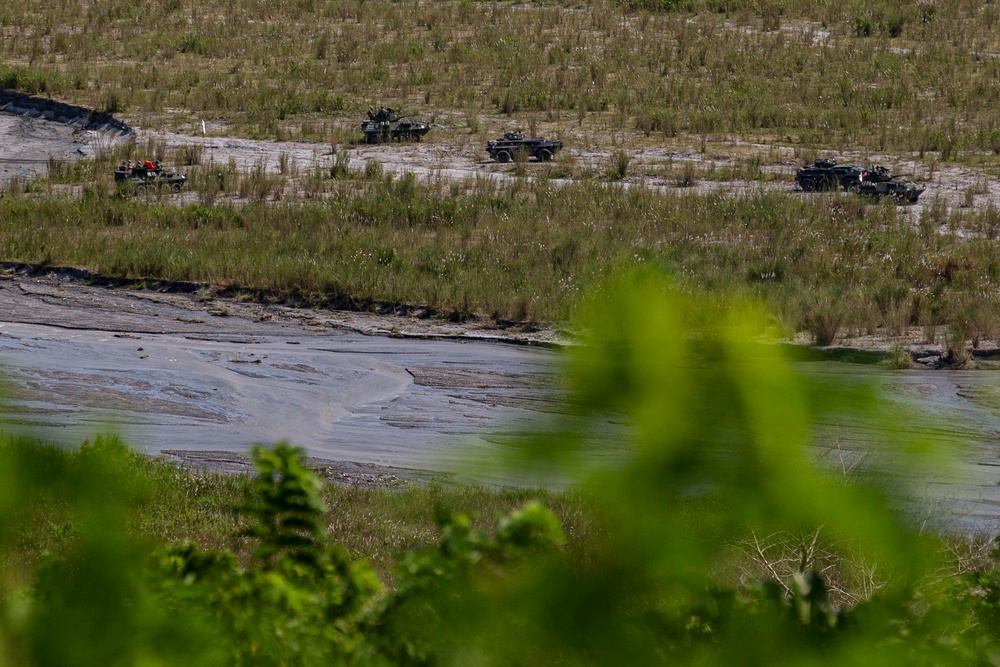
[874, 182]
[878, 182]
[825, 175]
[386, 125]
[504, 150]
[147, 177]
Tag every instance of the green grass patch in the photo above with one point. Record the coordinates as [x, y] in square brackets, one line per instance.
[879, 75]
[834, 264]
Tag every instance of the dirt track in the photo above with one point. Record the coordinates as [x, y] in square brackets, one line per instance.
[27, 144]
[431, 160]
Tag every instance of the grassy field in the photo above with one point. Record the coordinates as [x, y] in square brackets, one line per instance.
[741, 83]
[531, 250]
[375, 524]
[911, 79]
[879, 74]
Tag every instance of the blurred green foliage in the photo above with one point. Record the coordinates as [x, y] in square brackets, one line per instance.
[722, 428]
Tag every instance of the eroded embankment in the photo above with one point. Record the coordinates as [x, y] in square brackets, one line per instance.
[19, 104]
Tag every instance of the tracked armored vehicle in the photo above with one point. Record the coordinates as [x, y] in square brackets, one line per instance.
[386, 125]
[147, 177]
[825, 175]
[504, 150]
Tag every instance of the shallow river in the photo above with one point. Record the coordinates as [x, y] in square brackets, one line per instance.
[171, 371]
[166, 373]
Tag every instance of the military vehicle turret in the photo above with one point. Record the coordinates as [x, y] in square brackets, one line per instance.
[147, 177]
[386, 125]
[504, 150]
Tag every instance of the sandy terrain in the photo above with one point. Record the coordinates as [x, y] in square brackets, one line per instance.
[27, 144]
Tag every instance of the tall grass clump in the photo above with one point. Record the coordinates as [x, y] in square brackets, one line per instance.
[687, 176]
[341, 167]
[618, 165]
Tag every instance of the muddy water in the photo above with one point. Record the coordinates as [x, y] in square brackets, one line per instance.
[934, 432]
[173, 371]
[168, 371]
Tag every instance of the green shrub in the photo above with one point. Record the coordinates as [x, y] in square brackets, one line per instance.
[719, 464]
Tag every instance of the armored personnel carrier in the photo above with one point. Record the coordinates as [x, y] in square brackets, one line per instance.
[147, 177]
[879, 182]
[504, 150]
[386, 125]
[874, 182]
[828, 175]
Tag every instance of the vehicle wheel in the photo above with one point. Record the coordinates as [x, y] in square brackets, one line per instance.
[828, 183]
[807, 185]
[851, 186]
[415, 137]
[545, 155]
[503, 156]
[177, 187]
[140, 190]
[372, 138]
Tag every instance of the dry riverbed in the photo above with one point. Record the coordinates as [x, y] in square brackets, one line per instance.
[383, 400]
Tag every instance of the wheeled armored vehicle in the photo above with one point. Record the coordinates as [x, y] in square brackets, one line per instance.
[504, 150]
[386, 125]
[904, 192]
[825, 175]
[147, 177]
[874, 182]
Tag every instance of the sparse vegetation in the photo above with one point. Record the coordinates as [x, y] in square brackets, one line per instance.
[679, 73]
[481, 246]
[909, 77]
